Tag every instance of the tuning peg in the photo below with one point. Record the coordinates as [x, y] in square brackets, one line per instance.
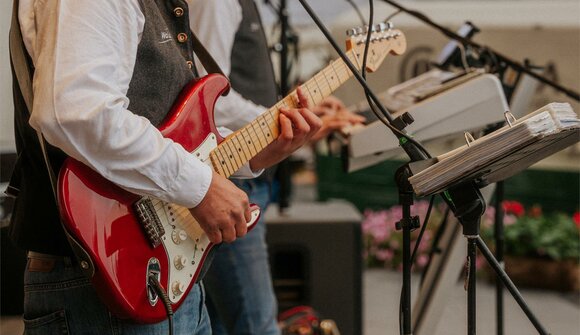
[351, 32]
[389, 25]
[381, 27]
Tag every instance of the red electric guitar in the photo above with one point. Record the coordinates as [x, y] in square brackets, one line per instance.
[123, 237]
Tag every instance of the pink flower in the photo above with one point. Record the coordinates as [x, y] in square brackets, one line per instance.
[385, 255]
[422, 260]
[509, 219]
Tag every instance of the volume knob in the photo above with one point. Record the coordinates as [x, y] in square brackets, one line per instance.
[177, 287]
[178, 236]
[180, 262]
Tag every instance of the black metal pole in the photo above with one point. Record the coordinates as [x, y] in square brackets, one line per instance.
[509, 285]
[499, 253]
[408, 223]
[471, 282]
[284, 172]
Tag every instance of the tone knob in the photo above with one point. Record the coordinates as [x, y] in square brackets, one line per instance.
[177, 287]
[178, 236]
[180, 262]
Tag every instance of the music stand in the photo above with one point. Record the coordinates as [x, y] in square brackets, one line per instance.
[536, 146]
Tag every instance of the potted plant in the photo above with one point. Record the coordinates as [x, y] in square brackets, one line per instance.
[541, 250]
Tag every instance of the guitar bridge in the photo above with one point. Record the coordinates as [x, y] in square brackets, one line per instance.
[149, 221]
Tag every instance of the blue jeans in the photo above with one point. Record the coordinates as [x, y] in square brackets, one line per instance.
[240, 295]
[62, 300]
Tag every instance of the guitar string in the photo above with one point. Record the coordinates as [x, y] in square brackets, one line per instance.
[343, 74]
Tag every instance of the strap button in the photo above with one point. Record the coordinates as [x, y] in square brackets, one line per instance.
[182, 37]
[178, 11]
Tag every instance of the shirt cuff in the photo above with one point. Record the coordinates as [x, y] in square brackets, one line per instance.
[245, 172]
[192, 182]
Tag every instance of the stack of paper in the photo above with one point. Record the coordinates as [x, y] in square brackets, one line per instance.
[504, 152]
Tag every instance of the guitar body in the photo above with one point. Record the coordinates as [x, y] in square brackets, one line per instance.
[128, 237]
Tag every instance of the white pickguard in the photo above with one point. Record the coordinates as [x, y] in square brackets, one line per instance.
[184, 241]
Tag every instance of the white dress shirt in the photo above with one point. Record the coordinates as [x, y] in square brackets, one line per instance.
[232, 111]
[84, 54]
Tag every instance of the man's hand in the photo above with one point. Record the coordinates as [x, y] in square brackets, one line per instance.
[224, 211]
[334, 116]
[297, 126]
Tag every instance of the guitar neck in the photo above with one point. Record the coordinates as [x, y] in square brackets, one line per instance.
[240, 147]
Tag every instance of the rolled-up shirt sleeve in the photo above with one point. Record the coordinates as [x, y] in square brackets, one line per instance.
[84, 54]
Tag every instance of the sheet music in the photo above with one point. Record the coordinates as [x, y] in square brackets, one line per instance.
[515, 146]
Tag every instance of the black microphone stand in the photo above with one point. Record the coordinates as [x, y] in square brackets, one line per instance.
[465, 201]
[507, 62]
[283, 172]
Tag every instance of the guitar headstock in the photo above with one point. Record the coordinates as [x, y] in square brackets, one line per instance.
[384, 40]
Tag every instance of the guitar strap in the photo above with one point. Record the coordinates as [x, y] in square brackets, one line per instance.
[22, 69]
[206, 59]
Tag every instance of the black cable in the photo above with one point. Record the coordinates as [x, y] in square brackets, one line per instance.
[358, 12]
[393, 15]
[155, 285]
[411, 147]
[371, 103]
[426, 219]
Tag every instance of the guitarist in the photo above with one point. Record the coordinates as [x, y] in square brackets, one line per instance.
[241, 298]
[105, 74]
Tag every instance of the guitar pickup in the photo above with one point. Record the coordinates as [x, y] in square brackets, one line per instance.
[149, 220]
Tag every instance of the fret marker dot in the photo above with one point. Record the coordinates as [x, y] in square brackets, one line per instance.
[231, 156]
[239, 149]
[268, 134]
[223, 162]
[249, 142]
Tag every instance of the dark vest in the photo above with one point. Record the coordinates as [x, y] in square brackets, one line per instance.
[161, 71]
[252, 74]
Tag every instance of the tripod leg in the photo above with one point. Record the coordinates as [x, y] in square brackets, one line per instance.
[510, 286]
[499, 244]
[471, 281]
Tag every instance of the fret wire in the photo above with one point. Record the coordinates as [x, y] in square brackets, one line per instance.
[216, 164]
[240, 148]
[234, 155]
[256, 124]
[222, 158]
[358, 65]
[338, 70]
[330, 88]
[269, 124]
[254, 137]
[332, 67]
[263, 122]
[248, 140]
[325, 83]
[319, 88]
[309, 85]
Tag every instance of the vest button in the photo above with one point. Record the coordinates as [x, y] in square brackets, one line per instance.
[181, 37]
[189, 64]
[178, 11]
